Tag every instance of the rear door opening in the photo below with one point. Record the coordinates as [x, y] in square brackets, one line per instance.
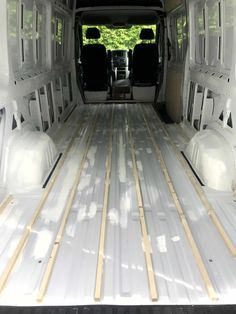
[117, 156]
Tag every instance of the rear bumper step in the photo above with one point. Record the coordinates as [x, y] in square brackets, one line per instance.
[110, 309]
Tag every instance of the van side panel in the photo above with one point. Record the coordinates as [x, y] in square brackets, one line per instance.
[177, 26]
[172, 4]
[37, 82]
[210, 92]
[173, 94]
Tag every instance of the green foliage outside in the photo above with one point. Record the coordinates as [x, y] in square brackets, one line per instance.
[181, 24]
[120, 38]
[59, 30]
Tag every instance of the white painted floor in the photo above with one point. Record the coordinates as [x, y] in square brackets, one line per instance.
[125, 275]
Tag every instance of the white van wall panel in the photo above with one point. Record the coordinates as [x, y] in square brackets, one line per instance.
[27, 35]
[68, 40]
[196, 112]
[61, 38]
[36, 114]
[13, 34]
[200, 33]
[177, 25]
[4, 58]
[212, 66]
[207, 110]
[213, 31]
[37, 70]
[40, 35]
[172, 4]
[2, 129]
[229, 32]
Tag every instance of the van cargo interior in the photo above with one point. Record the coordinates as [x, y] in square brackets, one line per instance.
[117, 156]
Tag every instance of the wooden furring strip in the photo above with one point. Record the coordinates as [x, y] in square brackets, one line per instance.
[144, 230]
[101, 249]
[208, 284]
[28, 228]
[69, 202]
[210, 210]
[5, 203]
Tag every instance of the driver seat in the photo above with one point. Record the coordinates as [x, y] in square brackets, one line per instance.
[94, 63]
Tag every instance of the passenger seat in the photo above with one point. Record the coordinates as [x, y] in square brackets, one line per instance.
[94, 63]
[145, 66]
[145, 60]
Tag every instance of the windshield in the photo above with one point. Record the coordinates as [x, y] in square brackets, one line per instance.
[114, 39]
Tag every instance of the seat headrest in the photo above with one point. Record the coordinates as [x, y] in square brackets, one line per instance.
[93, 33]
[147, 34]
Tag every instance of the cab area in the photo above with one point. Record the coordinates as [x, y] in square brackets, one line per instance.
[119, 54]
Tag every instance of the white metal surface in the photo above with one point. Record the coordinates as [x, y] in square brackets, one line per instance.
[124, 275]
[37, 74]
[213, 159]
[38, 88]
[30, 156]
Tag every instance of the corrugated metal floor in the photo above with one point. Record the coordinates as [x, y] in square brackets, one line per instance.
[124, 276]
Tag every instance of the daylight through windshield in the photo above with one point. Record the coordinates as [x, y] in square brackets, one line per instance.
[118, 38]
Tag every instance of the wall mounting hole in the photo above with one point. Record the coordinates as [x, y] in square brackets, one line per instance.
[210, 260]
